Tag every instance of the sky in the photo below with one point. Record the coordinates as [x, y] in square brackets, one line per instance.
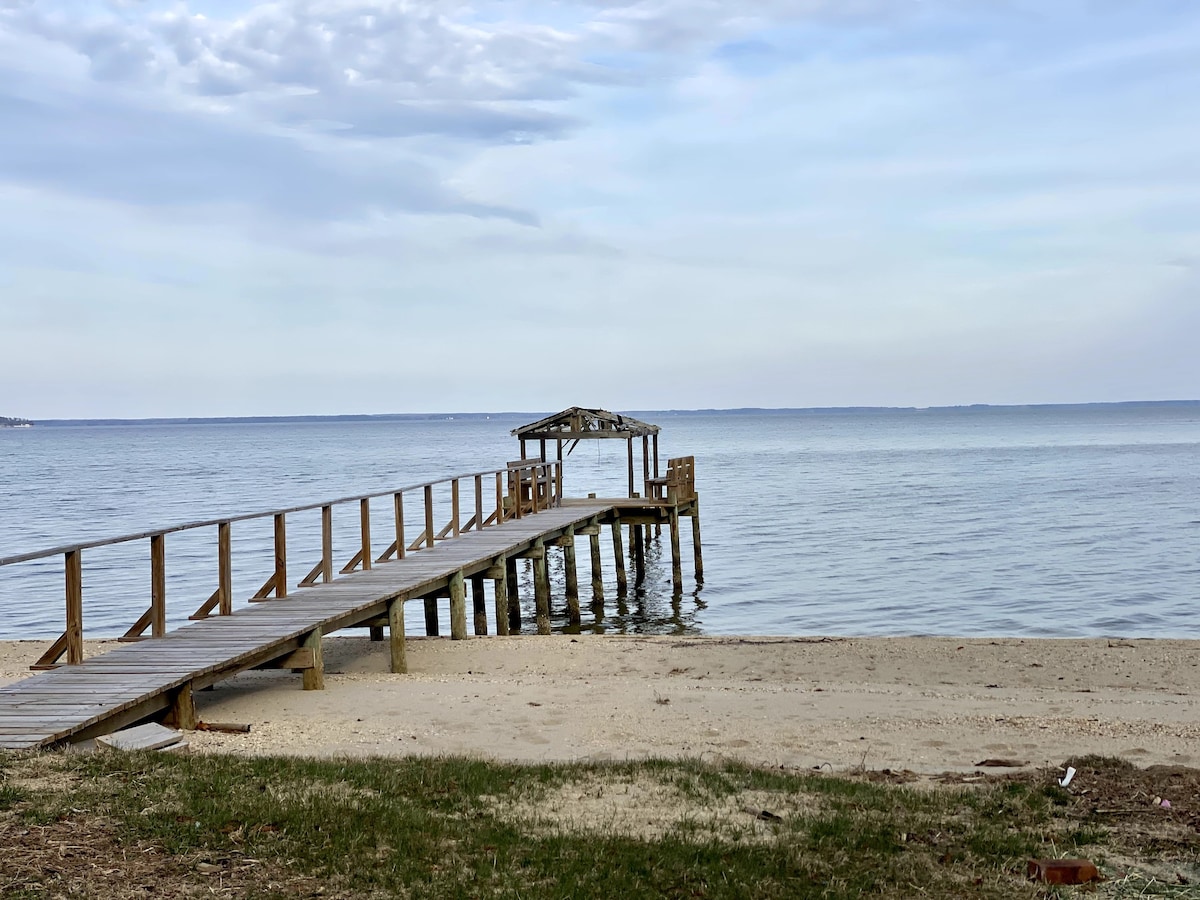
[222, 207]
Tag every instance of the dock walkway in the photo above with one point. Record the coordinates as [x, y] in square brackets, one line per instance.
[138, 680]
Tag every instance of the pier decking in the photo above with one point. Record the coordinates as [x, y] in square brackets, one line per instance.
[156, 676]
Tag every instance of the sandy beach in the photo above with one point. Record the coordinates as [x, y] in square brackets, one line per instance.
[924, 704]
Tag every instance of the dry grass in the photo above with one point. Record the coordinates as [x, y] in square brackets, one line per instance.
[140, 825]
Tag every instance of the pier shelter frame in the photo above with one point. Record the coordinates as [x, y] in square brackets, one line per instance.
[581, 424]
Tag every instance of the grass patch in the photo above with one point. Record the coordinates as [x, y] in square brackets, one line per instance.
[128, 825]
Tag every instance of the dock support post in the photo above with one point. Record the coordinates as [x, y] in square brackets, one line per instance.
[541, 592]
[676, 566]
[696, 540]
[431, 617]
[396, 634]
[314, 678]
[639, 554]
[182, 712]
[376, 633]
[597, 573]
[514, 598]
[619, 558]
[501, 583]
[458, 607]
[479, 604]
[572, 577]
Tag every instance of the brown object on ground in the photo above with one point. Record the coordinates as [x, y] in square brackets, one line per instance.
[1063, 871]
[223, 727]
[1003, 763]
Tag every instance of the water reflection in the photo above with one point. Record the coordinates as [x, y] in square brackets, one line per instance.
[652, 607]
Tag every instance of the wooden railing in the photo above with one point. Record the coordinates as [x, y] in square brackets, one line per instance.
[521, 488]
[679, 484]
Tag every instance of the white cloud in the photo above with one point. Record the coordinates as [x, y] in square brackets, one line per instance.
[879, 201]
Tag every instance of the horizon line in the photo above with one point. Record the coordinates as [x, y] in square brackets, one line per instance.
[360, 417]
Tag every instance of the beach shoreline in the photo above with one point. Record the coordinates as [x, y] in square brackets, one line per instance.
[924, 704]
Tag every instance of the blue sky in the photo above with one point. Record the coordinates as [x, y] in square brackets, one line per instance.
[338, 206]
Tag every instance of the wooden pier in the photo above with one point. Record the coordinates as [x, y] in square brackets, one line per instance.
[515, 513]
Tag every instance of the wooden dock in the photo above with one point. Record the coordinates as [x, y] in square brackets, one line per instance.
[156, 675]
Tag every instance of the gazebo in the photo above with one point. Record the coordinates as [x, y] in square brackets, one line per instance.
[579, 424]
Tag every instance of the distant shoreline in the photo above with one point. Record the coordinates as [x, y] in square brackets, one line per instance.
[522, 416]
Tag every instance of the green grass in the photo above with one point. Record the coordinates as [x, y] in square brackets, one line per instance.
[449, 827]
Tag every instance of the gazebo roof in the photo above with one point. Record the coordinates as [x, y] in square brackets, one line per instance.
[577, 423]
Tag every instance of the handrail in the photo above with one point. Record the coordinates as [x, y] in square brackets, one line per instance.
[511, 501]
[246, 517]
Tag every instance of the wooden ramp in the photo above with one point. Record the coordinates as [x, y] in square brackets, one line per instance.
[138, 680]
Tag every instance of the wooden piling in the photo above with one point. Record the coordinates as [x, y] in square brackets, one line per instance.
[181, 713]
[597, 572]
[431, 617]
[541, 592]
[458, 607]
[639, 554]
[314, 676]
[514, 599]
[619, 558]
[676, 565]
[500, 583]
[572, 577]
[399, 657]
[479, 604]
[696, 539]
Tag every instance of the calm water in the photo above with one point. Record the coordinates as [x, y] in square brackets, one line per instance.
[1044, 521]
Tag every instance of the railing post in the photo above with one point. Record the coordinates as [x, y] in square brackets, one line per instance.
[326, 544]
[73, 565]
[533, 485]
[224, 569]
[280, 556]
[364, 516]
[158, 585]
[454, 508]
[429, 515]
[398, 503]
[479, 503]
[499, 498]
